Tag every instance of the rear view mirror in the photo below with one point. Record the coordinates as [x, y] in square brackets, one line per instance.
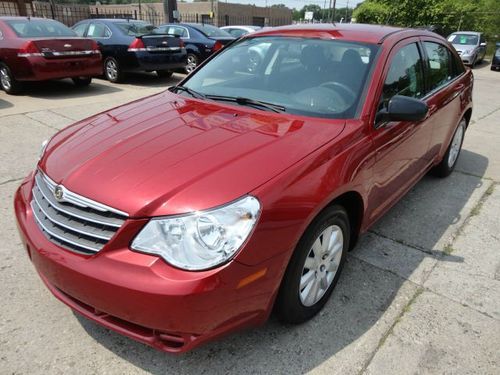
[403, 108]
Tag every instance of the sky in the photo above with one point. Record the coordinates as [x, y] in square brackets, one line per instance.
[298, 4]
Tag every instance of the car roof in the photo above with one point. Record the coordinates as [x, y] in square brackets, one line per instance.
[348, 31]
[467, 32]
[113, 20]
[241, 27]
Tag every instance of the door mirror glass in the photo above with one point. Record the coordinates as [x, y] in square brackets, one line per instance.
[483, 44]
[403, 108]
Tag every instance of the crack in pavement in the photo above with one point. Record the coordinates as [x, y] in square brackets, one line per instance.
[11, 180]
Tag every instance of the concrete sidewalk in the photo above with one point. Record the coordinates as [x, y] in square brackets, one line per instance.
[419, 294]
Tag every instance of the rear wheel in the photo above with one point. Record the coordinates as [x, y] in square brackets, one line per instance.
[164, 73]
[82, 81]
[315, 267]
[112, 70]
[8, 82]
[191, 63]
[447, 165]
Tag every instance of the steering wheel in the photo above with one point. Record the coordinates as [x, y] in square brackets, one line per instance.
[335, 85]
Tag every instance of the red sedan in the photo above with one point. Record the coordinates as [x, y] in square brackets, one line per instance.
[197, 211]
[38, 49]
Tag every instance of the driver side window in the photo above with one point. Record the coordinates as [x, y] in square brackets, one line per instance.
[405, 76]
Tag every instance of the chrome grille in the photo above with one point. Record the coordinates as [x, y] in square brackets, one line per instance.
[72, 221]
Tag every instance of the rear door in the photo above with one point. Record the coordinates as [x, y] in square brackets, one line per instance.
[447, 86]
[401, 147]
[102, 34]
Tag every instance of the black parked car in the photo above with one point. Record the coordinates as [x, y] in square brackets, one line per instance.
[201, 40]
[495, 61]
[130, 46]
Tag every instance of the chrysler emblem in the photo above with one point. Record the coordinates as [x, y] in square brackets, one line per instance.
[58, 193]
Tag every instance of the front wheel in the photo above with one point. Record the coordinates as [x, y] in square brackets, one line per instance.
[315, 267]
[7, 81]
[447, 165]
[82, 81]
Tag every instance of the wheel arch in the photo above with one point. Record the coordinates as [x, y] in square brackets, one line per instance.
[467, 115]
[353, 203]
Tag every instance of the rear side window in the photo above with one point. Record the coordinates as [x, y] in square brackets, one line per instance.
[176, 30]
[440, 67]
[80, 29]
[405, 76]
[34, 28]
[98, 30]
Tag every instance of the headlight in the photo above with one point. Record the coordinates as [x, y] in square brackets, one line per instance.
[43, 147]
[203, 239]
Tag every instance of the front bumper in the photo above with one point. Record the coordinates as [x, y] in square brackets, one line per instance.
[152, 61]
[38, 68]
[468, 59]
[141, 296]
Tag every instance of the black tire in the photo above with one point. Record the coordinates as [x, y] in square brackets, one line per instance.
[7, 81]
[112, 70]
[446, 166]
[192, 62]
[164, 73]
[82, 81]
[289, 306]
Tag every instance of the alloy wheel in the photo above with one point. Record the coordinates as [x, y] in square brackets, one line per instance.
[456, 145]
[321, 265]
[111, 70]
[5, 79]
[191, 63]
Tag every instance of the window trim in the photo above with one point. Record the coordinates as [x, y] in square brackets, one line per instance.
[181, 27]
[98, 37]
[414, 39]
[84, 23]
[430, 92]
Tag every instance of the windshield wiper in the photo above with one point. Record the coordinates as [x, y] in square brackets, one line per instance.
[250, 102]
[193, 93]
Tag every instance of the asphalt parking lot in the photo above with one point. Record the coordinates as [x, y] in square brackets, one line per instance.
[420, 293]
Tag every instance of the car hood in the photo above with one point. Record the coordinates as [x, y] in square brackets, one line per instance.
[167, 154]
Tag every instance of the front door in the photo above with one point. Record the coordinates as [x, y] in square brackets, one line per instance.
[401, 148]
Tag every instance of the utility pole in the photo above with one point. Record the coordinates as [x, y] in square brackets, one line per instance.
[170, 8]
[347, 12]
[334, 3]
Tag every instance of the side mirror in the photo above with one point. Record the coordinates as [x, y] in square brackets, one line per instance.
[483, 44]
[403, 108]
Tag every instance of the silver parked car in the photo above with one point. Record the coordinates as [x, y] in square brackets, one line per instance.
[470, 45]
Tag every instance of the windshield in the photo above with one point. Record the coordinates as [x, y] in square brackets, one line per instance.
[134, 28]
[211, 31]
[34, 28]
[464, 39]
[311, 77]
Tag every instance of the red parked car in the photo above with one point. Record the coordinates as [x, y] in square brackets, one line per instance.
[197, 211]
[39, 49]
